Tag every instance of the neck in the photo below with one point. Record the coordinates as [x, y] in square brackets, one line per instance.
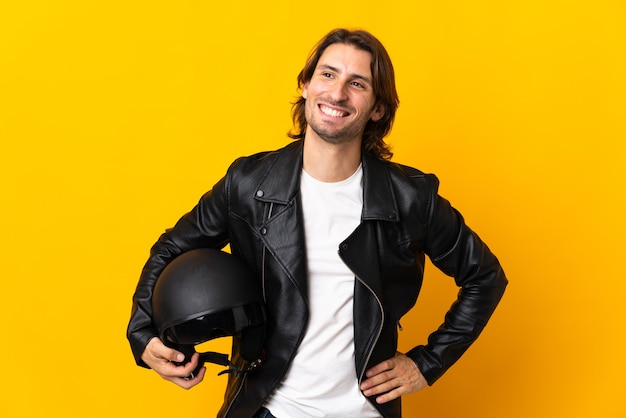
[330, 162]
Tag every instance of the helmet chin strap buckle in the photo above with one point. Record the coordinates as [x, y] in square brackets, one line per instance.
[222, 359]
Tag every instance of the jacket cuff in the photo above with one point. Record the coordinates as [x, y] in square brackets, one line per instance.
[138, 345]
[427, 365]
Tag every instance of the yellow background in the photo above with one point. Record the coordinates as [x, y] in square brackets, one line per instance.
[115, 116]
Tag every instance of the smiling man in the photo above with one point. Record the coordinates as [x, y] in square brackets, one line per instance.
[338, 235]
[339, 102]
[339, 97]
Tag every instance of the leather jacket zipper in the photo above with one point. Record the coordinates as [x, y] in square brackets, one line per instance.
[243, 379]
[269, 215]
[380, 329]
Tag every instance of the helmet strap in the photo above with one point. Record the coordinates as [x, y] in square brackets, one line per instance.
[222, 359]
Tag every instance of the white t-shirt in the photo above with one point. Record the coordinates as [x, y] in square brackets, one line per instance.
[322, 380]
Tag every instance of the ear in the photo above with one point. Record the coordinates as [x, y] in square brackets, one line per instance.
[305, 90]
[378, 112]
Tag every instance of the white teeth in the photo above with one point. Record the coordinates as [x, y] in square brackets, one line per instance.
[331, 112]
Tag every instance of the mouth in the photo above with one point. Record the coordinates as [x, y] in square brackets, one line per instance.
[333, 113]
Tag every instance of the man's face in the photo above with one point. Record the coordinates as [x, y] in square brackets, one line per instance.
[339, 97]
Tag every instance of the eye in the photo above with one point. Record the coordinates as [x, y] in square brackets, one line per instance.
[327, 75]
[358, 85]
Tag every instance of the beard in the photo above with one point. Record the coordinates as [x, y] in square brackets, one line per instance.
[331, 133]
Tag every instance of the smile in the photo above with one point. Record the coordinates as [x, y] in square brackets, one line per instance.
[332, 112]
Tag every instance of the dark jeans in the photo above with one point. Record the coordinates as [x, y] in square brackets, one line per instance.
[263, 413]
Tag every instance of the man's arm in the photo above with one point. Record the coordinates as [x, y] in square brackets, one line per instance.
[456, 250]
[459, 252]
[205, 226]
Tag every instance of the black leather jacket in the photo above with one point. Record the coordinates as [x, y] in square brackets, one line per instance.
[256, 208]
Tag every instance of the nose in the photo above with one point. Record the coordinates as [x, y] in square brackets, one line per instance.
[338, 91]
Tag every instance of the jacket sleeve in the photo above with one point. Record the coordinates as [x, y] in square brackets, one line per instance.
[457, 251]
[205, 226]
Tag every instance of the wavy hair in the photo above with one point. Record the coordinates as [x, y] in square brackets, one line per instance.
[383, 83]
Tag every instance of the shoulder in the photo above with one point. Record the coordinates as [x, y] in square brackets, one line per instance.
[262, 161]
[267, 171]
[402, 176]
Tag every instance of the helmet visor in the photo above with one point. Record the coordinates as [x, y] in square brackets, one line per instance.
[220, 324]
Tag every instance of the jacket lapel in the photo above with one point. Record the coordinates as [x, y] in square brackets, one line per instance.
[360, 250]
[282, 230]
[379, 201]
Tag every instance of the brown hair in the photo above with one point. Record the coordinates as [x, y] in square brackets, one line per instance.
[383, 81]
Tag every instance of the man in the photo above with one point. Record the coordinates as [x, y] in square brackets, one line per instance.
[338, 236]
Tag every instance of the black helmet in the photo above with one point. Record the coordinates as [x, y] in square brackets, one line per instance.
[205, 294]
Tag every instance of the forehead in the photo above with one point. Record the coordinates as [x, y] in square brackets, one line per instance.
[347, 58]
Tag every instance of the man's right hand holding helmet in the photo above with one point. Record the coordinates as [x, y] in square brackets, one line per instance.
[161, 359]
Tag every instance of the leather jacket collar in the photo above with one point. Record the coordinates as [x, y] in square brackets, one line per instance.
[379, 202]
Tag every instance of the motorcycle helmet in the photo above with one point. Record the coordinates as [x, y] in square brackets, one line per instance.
[205, 294]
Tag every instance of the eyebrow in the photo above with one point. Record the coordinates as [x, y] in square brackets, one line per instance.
[334, 69]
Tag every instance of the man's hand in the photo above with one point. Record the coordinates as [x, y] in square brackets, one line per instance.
[160, 357]
[393, 378]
